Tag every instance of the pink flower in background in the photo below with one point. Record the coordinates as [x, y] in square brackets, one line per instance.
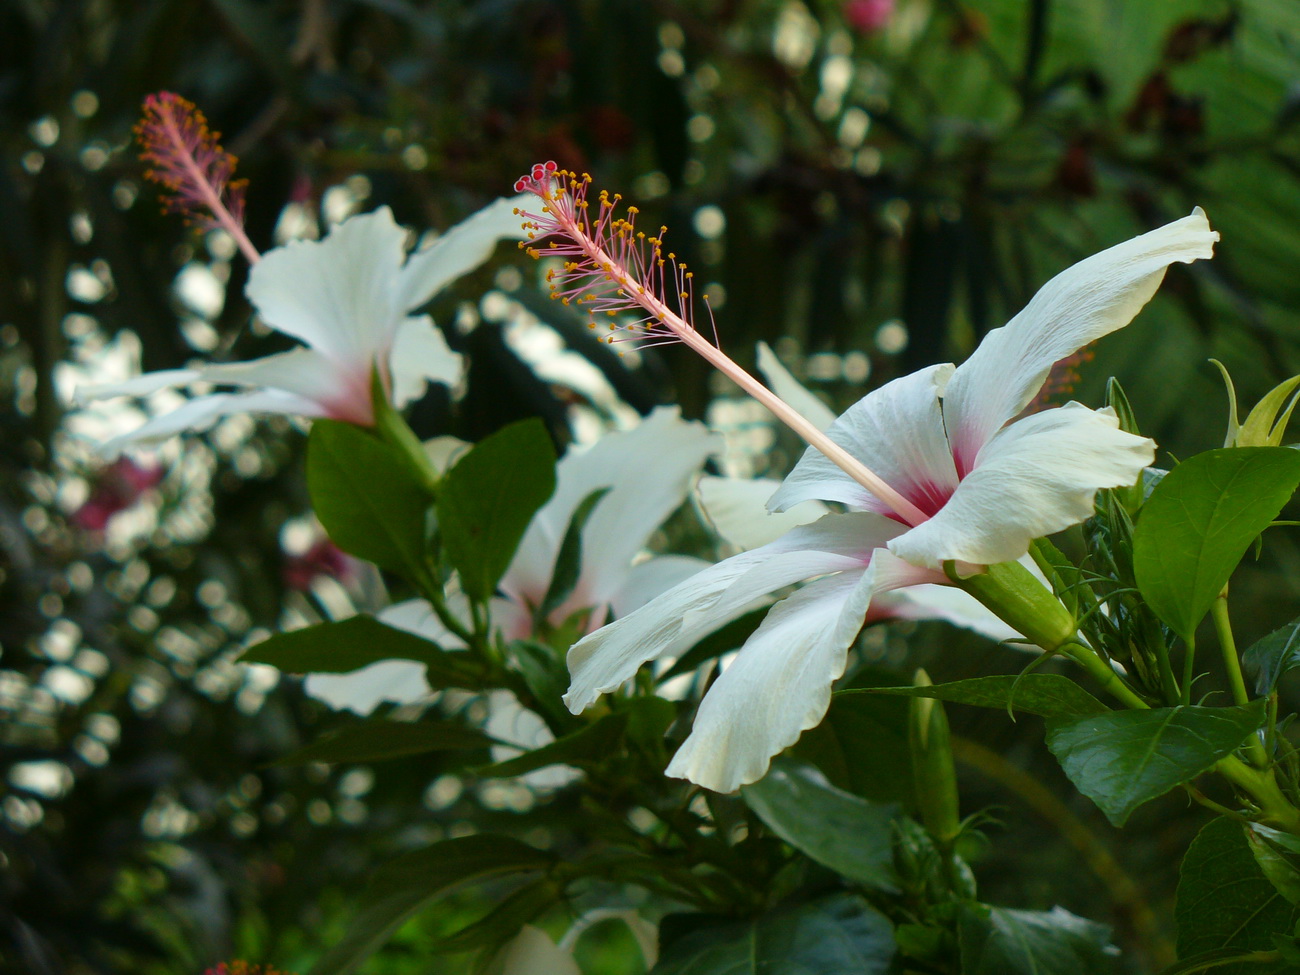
[118, 487]
[868, 16]
[324, 558]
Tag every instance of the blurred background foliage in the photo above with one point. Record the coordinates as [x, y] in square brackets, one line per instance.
[866, 185]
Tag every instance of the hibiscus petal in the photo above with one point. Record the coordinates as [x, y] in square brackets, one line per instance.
[532, 952]
[303, 372]
[896, 431]
[669, 625]
[1035, 477]
[417, 616]
[737, 509]
[460, 250]
[654, 577]
[202, 411]
[778, 686]
[142, 385]
[421, 355]
[1081, 304]
[339, 295]
[791, 390]
[940, 602]
[648, 469]
[361, 691]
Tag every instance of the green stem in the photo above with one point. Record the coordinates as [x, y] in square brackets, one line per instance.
[1089, 659]
[1232, 663]
[1189, 672]
[391, 428]
[1262, 785]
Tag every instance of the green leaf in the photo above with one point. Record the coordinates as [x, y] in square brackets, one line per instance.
[1278, 857]
[1199, 522]
[1049, 695]
[1225, 901]
[999, 941]
[1272, 656]
[1122, 759]
[588, 746]
[503, 922]
[338, 648]
[1220, 960]
[839, 830]
[401, 887]
[377, 741]
[728, 638]
[568, 563]
[487, 500]
[839, 935]
[862, 744]
[370, 500]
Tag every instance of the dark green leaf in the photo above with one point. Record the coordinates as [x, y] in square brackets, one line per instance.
[377, 741]
[999, 941]
[1278, 857]
[1272, 656]
[504, 920]
[568, 563]
[1122, 759]
[840, 935]
[862, 745]
[837, 829]
[1199, 522]
[400, 888]
[590, 745]
[367, 496]
[1050, 695]
[487, 500]
[337, 648]
[1221, 960]
[1225, 901]
[730, 637]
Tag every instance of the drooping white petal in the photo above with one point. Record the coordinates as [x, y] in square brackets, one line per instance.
[672, 623]
[417, 616]
[202, 411]
[791, 390]
[532, 952]
[1098, 295]
[648, 470]
[1035, 477]
[777, 687]
[457, 252]
[421, 355]
[897, 431]
[939, 602]
[737, 509]
[340, 295]
[301, 371]
[142, 385]
[654, 577]
[361, 691]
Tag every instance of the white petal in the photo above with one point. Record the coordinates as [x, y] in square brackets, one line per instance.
[417, 616]
[339, 295]
[420, 355]
[202, 411]
[791, 390]
[649, 470]
[361, 691]
[896, 431]
[939, 602]
[532, 952]
[676, 620]
[460, 250]
[1081, 304]
[778, 686]
[142, 385]
[737, 509]
[1035, 477]
[509, 721]
[654, 577]
[302, 372]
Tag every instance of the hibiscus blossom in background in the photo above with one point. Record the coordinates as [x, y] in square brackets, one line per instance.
[349, 298]
[868, 16]
[941, 438]
[648, 473]
[117, 487]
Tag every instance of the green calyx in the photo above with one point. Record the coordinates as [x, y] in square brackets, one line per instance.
[1018, 598]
